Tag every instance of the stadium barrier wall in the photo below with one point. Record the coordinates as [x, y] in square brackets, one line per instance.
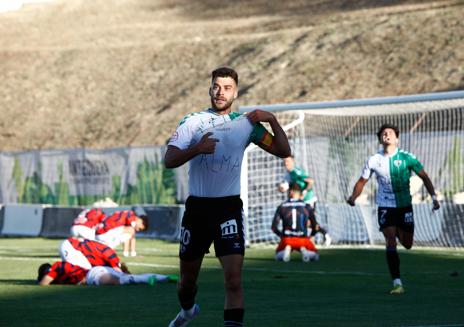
[1, 218]
[22, 220]
[163, 222]
[57, 221]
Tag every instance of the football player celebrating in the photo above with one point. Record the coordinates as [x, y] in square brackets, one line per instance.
[213, 142]
[392, 167]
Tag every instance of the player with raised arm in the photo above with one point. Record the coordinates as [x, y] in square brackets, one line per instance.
[214, 141]
[392, 167]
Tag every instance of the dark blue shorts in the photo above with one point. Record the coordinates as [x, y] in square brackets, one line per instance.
[402, 218]
[208, 220]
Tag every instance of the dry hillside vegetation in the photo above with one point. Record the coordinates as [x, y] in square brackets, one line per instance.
[109, 73]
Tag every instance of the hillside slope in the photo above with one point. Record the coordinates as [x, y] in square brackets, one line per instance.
[110, 73]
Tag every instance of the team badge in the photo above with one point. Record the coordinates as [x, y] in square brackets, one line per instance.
[174, 136]
[397, 163]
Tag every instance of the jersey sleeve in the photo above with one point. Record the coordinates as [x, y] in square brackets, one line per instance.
[366, 172]
[260, 135]
[414, 164]
[183, 135]
[131, 218]
[54, 270]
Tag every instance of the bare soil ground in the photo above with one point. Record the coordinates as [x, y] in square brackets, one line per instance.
[109, 73]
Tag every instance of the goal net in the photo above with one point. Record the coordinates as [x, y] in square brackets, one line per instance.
[332, 140]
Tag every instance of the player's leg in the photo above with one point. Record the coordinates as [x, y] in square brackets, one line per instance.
[186, 292]
[308, 250]
[195, 241]
[132, 245]
[127, 234]
[406, 238]
[100, 275]
[283, 250]
[229, 245]
[83, 231]
[406, 227]
[69, 254]
[393, 259]
[387, 218]
[233, 307]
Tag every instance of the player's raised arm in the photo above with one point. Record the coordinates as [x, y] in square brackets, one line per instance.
[357, 189]
[279, 145]
[176, 157]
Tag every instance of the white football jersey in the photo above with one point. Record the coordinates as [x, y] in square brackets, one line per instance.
[217, 174]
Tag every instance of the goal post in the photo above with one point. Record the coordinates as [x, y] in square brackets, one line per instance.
[331, 142]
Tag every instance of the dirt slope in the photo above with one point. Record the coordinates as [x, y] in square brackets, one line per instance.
[110, 73]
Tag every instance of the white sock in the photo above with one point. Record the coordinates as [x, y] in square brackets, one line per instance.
[134, 279]
[280, 255]
[189, 312]
[397, 281]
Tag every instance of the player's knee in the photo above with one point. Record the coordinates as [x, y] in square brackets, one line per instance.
[233, 284]
[407, 245]
[391, 242]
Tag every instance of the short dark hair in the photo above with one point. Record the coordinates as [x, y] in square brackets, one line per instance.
[224, 72]
[385, 126]
[145, 221]
[43, 270]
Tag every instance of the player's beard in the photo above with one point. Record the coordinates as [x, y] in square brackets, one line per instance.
[223, 106]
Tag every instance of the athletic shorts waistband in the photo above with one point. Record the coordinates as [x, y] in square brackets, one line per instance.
[217, 201]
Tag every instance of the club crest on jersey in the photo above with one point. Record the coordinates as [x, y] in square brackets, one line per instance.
[174, 136]
[229, 227]
[397, 163]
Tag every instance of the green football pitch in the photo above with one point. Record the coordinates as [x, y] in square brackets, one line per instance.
[347, 287]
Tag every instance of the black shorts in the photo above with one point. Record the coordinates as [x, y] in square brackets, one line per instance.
[208, 220]
[402, 218]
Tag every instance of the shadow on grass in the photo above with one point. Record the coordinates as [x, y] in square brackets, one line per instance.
[18, 282]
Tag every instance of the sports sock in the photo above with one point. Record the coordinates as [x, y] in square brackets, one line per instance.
[233, 317]
[280, 255]
[393, 261]
[397, 281]
[134, 279]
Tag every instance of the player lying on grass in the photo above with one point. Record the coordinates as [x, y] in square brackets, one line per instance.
[62, 272]
[120, 227]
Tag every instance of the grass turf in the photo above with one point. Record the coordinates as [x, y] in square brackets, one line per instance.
[347, 287]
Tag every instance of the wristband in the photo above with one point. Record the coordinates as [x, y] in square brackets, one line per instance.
[434, 197]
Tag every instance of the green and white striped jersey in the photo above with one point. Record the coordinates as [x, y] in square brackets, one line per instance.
[393, 173]
[217, 174]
